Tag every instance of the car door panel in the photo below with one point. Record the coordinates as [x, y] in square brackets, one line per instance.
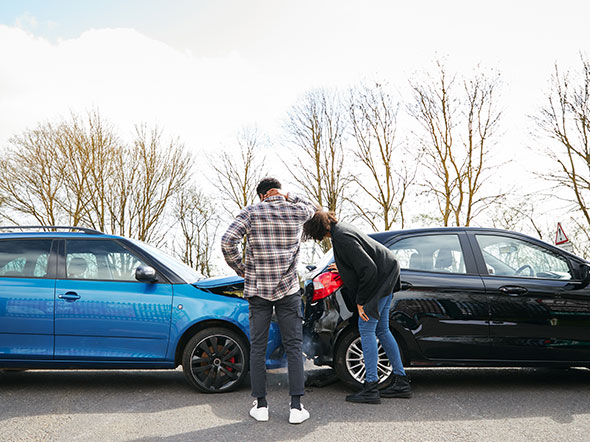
[26, 318]
[447, 314]
[26, 299]
[548, 322]
[109, 319]
[112, 320]
[443, 301]
[536, 318]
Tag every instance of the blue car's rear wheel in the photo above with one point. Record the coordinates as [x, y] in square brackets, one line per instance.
[215, 360]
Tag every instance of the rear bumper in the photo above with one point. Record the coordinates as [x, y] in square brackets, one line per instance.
[323, 321]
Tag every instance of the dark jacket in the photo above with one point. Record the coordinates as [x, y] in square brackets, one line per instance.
[368, 269]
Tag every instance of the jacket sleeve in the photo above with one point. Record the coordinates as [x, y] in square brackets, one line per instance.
[230, 240]
[365, 269]
[305, 207]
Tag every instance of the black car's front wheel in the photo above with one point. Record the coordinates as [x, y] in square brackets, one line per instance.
[349, 362]
[215, 360]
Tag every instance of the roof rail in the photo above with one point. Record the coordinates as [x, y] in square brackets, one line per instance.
[49, 228]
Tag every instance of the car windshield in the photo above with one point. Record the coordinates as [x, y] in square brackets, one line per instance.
[187, 273]
[324, 261]
[328, 258]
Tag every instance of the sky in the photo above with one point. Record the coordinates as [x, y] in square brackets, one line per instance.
[202, 70]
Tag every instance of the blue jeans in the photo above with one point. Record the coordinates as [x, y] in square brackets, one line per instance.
[371, 330]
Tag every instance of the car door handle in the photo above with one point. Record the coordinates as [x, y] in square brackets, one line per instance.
[69, 296]
[405, 285]
[513, 290]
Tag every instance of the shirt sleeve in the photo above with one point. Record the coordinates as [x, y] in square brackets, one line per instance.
[230, 240]
[303, 206]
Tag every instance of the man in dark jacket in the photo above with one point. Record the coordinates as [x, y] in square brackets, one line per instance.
[370, 272]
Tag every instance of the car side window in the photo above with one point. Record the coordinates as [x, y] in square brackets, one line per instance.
[101, 260]
[24, 258]
[433, 253]
[506, 256]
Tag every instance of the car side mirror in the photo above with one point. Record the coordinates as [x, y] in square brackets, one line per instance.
[145, 274]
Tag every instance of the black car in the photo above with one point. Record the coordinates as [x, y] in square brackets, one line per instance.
[470, 297]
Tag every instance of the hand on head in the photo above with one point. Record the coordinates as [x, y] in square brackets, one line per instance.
[275, 192]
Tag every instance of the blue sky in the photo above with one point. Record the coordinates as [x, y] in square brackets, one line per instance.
[69, 18]
[207, 28]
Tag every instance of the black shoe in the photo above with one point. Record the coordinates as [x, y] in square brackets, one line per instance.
[368, 395]
[400, 388]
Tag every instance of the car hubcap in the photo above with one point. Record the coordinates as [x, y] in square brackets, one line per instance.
[355, 363]
[217, 362]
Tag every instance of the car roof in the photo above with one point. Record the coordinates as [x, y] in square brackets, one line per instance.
[23, 232]
[384, 236]
[391, 233]
[51, 235]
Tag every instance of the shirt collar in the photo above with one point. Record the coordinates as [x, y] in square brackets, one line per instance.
[274, 198]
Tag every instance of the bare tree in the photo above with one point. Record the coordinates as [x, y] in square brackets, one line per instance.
[99, 160]
[238, 173]
[316, 128]
[564, 121]
[373, 117]
[459, 121]
[77, 172]
[196, 214]
[162, 170]
[519, 214]
[31, 180]
[580, 239]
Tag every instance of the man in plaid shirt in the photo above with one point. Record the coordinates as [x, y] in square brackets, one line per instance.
[273, 230]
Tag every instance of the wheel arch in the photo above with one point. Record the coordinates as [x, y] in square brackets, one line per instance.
[343, 327]
[347, 325]
[202, 325]
[402, 344]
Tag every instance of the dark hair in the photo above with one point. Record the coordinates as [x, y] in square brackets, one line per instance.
[319, 225]
[266, 184]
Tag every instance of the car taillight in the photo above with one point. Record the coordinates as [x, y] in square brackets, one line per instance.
[325, 284]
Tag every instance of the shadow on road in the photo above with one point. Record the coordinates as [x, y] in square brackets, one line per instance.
[440, 395]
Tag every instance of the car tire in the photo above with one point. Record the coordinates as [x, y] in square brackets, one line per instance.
[216, 360]
[349, 365]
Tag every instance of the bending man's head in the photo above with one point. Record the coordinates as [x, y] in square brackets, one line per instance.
[318, 227]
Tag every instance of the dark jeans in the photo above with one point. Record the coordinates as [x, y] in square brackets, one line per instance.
[288, 310]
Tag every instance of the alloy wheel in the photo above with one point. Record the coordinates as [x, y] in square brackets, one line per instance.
[217, 362]
[355, 363]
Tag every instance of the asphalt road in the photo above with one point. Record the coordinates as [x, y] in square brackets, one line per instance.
[448, 404]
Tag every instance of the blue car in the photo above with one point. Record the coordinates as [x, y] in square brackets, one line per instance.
[77, 298]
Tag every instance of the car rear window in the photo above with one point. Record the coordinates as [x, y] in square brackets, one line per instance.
[100, 260]
[24, 258]
[433, 253]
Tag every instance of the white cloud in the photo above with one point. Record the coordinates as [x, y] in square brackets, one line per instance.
[131, 79]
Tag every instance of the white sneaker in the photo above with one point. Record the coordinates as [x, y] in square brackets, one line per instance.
[260, 414]
[297, 416]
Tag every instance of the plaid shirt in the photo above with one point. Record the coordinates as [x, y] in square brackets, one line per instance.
[273, 229]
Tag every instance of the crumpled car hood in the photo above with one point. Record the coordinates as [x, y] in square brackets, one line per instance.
[232, 286]
[219, 281]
